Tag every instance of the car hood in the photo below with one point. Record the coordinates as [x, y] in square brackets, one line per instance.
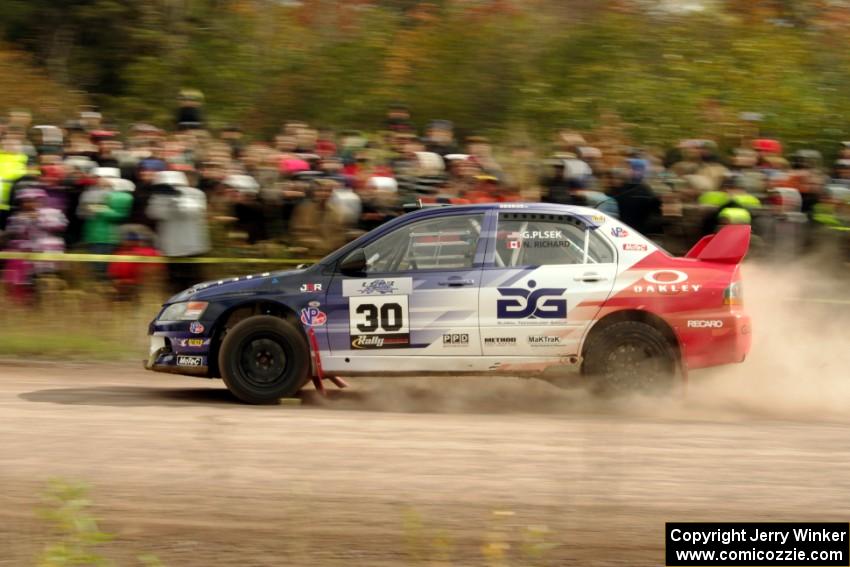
[266, 281]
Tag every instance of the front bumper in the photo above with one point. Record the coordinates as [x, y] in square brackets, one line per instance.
[178, 350]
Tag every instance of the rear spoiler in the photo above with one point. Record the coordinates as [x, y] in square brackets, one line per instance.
[729, 246]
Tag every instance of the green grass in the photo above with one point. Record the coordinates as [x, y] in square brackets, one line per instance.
[70, 323]
[61, 345]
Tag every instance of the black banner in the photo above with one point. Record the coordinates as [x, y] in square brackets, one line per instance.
[742, 544]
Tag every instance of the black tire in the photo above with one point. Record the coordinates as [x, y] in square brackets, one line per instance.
[630, 356]
[263, 359]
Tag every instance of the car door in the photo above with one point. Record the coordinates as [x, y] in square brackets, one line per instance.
[544, 280]
[418, 295]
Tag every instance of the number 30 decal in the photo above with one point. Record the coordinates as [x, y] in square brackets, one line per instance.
[379, 315]
[389, 317]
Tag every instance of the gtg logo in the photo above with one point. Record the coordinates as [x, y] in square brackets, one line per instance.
[531, 303]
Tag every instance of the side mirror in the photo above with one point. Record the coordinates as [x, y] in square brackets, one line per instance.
[354, 264]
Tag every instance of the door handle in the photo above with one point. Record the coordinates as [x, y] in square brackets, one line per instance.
[456, 282]
[590, 278]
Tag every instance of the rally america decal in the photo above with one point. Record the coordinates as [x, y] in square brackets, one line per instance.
[378, 312]
[377, 287]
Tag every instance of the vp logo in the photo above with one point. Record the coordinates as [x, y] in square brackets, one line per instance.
[531, 303]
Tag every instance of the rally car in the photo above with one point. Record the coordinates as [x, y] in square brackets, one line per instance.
[518, 289]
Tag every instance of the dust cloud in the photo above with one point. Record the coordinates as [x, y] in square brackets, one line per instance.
[798, 366]
[797, 369]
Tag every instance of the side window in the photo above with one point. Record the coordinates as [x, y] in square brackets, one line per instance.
[533, 239]
[447, 243]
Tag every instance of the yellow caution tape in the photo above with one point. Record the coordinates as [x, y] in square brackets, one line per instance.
[63, 257]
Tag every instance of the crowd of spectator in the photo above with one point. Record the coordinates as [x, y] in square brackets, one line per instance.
[188, 191]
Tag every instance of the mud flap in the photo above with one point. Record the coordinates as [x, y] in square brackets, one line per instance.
[318, 376]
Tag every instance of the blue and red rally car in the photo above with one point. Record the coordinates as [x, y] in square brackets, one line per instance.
[501, 288]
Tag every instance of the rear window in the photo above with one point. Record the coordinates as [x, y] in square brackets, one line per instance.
[535, 239]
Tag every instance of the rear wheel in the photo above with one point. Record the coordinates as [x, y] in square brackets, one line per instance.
[630, 356]
[263, 359]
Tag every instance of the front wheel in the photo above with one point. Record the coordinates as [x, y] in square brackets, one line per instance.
[263, 359]
[630, 356]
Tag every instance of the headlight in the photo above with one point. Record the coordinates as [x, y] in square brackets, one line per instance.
[186, 311]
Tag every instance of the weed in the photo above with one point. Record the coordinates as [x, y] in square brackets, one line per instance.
[67, 509]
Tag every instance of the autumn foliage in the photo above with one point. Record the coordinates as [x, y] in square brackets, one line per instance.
[24, 85]
[495, 66]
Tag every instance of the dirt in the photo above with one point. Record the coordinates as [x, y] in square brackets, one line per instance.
[397, 472]
[448, 471]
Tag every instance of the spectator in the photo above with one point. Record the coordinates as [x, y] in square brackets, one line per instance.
[51, 181]
[90, 118]
[462, 173]
[17, 128]
[306, 138]
[190, 112]
[325, 144]
[566, 174]
[769, 154]
[731, 204]
[842, 172]
[524, 171]
[743, 163]
[639, 207]
[485, 190]
[710, 166]
[211, 172]
[78, 178]
[352, 144]
[398, 118]
[380, 202]
[441, 138]
[316, 225]
[247, 207]
[180, 213]
[569, 141]
[127, 277]
[481, 152]
[33, 228]
[13, 166]
[107, 145]
[689, 162]
[232, 136]
[78, 141]
[147, 170]
[48, 140]
[103, 210]
[295, 190]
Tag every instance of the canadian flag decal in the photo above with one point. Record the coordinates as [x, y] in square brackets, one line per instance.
[514, 241]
